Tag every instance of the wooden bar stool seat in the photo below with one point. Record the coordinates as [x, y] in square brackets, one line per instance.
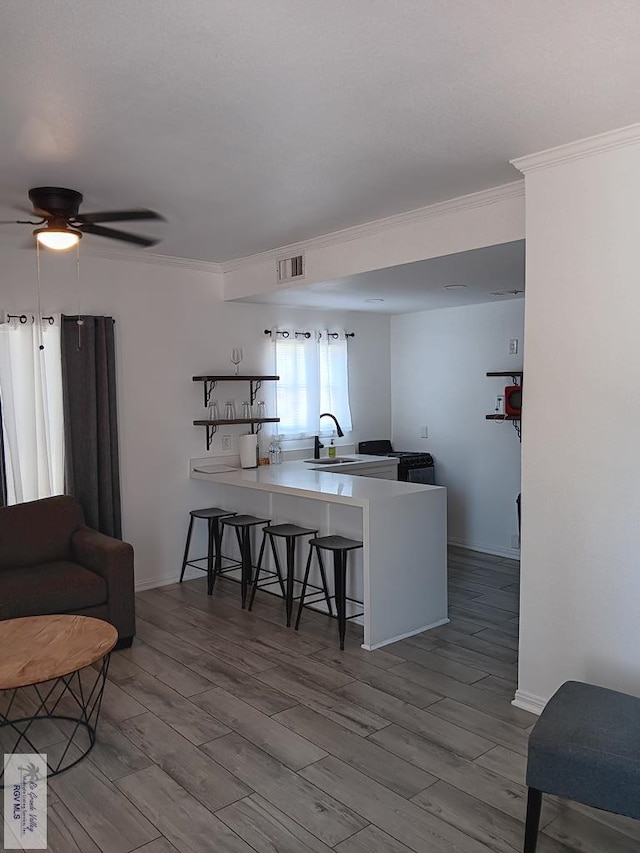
[212, 516]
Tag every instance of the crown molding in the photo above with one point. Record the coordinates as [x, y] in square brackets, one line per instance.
[379, 226]
[156, 259]
[134, 256]
[609, 141]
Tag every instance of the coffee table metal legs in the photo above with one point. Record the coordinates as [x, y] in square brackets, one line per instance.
[81, 698]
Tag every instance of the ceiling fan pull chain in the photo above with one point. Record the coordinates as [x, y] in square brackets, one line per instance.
[79, 320]
[39, 315]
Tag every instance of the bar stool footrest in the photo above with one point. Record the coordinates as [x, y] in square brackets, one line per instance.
[320, 592]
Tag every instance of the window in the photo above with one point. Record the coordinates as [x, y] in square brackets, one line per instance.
[32, 418]
[314, 378]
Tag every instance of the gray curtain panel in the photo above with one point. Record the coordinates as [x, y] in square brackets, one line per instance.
[92, 470]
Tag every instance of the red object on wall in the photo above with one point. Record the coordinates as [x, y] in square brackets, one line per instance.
[513, 400]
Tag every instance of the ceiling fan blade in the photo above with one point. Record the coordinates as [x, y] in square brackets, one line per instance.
[119, 216]
[21, 222]
[113, 234]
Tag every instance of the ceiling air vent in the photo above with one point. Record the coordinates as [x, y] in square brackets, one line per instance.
[290, 269]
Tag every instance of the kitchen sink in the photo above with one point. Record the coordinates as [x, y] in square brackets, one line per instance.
[327, 461]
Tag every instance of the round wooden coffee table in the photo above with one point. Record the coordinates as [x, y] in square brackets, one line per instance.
[41, 670]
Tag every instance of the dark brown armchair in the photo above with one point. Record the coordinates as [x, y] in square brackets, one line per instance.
[51, 562]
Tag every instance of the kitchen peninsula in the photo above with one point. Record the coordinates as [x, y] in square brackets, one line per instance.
[400, 573]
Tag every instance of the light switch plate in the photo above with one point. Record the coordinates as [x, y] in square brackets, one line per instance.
[513, 346]
[424, 432]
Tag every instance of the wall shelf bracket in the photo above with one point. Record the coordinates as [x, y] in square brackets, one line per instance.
[254, 386]
[211, 431]
[208, 386]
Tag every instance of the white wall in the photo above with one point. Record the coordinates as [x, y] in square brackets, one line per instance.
[580, 597]
[438, 364]
[172, 325]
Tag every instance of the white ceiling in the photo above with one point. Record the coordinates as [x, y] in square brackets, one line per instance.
[489, 274]
[252, 124]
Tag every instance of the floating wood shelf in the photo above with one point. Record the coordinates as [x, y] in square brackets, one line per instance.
[224, 421]
[516, 374]
[230, 377]
[502, 417]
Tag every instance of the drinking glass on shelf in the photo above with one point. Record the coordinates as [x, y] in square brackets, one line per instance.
[214, 411]
[230, 410]
[246, 410]
[261, 409]
[236, 358]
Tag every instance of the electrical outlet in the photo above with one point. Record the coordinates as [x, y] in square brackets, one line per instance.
[226, 442]
[515, 541]
[513, 346]
[424, 432]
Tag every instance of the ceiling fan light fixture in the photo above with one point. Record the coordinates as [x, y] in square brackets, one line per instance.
[57, 237]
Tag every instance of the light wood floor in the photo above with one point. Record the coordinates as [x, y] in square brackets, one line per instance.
[224, 731]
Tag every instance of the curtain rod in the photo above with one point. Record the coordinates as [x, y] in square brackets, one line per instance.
[24, 318]
[82, 316]
[285, 334]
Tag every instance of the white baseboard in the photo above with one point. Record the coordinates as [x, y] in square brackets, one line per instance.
[165, 580]
[509, 553]
[404, 636]
[529, 702]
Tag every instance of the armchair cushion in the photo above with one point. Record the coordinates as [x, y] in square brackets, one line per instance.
[57, 587]
[38, 531]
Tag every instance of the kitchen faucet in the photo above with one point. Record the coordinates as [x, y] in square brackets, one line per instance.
[316, 439]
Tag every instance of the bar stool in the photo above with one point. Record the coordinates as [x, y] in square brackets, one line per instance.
[340, 546]
[212, 515]
[290, 533]
[243, 525]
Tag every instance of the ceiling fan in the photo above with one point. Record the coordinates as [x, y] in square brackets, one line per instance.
[62, 225]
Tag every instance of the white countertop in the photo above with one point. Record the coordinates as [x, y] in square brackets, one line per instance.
[305, 480]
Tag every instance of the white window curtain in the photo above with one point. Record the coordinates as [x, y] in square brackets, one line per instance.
[334, 377]
[313, 375]
[32, 410]
[297, 392]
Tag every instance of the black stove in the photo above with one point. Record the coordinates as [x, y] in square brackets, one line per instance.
[413, 467]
